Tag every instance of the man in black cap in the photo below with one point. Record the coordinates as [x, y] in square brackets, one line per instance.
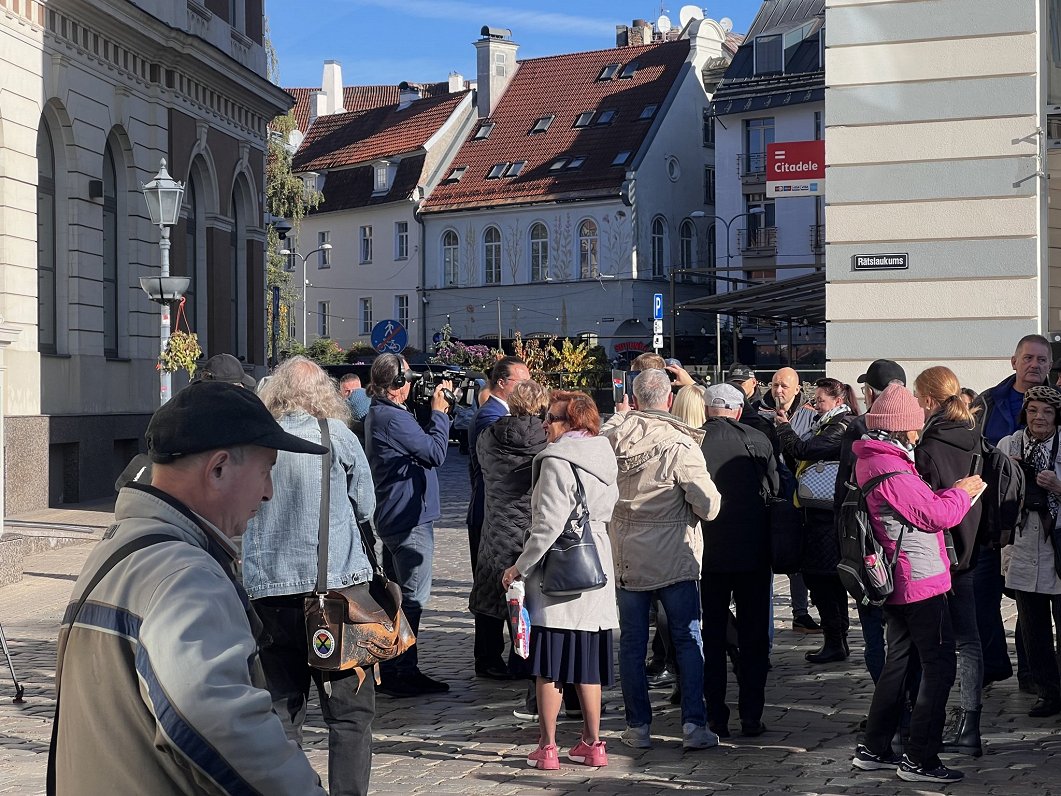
[158, 681]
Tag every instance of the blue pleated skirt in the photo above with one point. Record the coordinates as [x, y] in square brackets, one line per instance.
[572, 656]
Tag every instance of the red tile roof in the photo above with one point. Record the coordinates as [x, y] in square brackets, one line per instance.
[564, 86]
[348, 139]
[359, 98]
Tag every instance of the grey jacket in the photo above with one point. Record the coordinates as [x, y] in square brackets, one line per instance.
[552, 499]
[155, 678]
[664, 492]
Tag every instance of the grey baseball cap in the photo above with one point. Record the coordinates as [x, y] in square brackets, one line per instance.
[723, 396]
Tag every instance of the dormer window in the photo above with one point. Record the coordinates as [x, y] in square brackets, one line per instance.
[456, 174]
[382, 176]
[497, 170]
[768, 56]
[606, 116]
[648, 112]
[583, 119]
[576, 162]
[484, 131]
[558, 164]
[515, 169]
[542, 124]
[628, 71]
[621, 158]
[608, 72]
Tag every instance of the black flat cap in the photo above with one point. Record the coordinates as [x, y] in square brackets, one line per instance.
[207, 415]
[739, 373]
[882, 373]
[224, 367]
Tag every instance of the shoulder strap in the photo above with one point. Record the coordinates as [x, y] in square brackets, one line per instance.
[876, 481]
[326, 497]
[71, 616]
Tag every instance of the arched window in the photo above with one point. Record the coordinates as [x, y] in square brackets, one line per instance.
[686, 244]
[46, 243]
[539, 252]
[110, 254]
[659, 245]
[191, 253]
[588, 250]
[492, 256]
[450, 258]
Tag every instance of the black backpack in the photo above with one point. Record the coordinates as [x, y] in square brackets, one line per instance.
[864, 569]
[1003, 499]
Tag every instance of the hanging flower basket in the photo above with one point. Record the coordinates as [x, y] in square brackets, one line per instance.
[182, 349]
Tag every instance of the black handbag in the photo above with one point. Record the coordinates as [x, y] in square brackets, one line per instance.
[572, 564]
[785, 521]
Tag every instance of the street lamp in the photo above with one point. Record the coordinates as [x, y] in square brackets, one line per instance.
[163, 196]
[718, 319]
[305, 282]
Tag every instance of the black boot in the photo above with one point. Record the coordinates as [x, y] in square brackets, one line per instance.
[965, 740]
[831, 651]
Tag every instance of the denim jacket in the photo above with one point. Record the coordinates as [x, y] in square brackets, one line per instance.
[280, 545]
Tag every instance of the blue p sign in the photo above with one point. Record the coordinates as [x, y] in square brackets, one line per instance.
[657, 306]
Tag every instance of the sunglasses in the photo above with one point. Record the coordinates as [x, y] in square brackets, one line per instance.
[551, 418]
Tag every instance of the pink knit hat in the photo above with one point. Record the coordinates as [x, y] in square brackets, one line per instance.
[896, 409]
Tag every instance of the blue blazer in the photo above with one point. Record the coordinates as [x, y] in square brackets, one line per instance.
[487, 414]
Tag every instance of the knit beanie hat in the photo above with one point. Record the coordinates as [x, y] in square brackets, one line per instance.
[896, 409]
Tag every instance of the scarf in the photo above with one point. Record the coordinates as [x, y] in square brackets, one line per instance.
[1037, 454]
[823, 420]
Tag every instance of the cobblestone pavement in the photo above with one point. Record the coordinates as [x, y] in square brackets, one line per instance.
[468, 742]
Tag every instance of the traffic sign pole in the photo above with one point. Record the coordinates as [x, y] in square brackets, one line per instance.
[657, 322]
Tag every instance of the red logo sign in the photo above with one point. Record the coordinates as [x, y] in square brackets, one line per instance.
[795, 160]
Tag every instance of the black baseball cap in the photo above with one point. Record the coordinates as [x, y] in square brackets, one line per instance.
[224, 367]
[882, 373]
[739, 374]
[207, 415]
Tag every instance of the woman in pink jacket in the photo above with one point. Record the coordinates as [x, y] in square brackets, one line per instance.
[916, 613]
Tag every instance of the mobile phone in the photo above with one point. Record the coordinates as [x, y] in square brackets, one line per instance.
[974, 466]
[618, 385]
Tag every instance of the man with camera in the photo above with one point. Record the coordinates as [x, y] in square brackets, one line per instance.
[403, 457]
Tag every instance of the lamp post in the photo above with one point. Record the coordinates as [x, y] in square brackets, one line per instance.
[164, 196]
[305, 282]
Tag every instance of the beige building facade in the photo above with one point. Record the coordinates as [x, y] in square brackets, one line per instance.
[937, 117]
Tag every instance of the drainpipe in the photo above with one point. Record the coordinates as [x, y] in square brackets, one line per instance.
[422, 290]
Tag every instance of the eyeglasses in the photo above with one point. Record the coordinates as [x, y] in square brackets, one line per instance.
[551, 418]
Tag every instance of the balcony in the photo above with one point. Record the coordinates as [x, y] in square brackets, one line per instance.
[817, 238]
[752, 167]
[757, 241]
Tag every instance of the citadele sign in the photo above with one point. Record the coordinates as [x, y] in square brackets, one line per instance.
[795, 168]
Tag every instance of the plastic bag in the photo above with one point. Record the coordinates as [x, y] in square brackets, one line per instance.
[519, 618]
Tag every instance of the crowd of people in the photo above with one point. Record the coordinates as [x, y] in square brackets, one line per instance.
[196, 596]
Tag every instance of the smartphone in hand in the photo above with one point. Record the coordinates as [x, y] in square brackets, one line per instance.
[975, 464]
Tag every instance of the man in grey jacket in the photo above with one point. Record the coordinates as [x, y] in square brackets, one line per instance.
[159, 687]
[664, 492]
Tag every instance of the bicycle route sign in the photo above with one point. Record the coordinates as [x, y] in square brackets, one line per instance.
[389, 337]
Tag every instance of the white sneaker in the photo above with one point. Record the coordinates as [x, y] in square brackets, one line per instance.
[695, 736]
[639, 737]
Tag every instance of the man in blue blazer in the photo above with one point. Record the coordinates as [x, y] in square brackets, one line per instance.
[489, 631]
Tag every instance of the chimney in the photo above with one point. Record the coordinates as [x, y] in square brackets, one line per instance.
[317, 103]
[407, 95]
[456, 82]
[495, 61]
[332, 88]
[622, 36]
[646, 30]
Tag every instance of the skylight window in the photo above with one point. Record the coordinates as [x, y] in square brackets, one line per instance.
[648, 111]
[542, 124]
[768, 55]
[456, 174]
[628, 71]
[484, 131]
[558, 164]
[515, 169]
[608, 72]
[498, 170]
[621, 158]
[576, 162]
[584, 118]
[606, 116]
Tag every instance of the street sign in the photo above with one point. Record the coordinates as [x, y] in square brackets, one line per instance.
[657, 306]
[657, 326]
[795, 168]
[880, 262]
[389, 337]
[657, 341]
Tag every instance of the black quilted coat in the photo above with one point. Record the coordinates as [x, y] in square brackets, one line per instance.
[821, 547]
[506, 450]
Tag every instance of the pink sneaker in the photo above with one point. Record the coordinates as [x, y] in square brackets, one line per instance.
[546, 758]
[589, 755]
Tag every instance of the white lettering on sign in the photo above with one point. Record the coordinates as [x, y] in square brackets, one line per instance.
[797, 167]
[863, 262]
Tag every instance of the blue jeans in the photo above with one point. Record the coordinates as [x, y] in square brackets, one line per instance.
[681, 601]
[407, 561]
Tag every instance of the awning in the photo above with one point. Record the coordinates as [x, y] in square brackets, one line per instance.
[801, 298]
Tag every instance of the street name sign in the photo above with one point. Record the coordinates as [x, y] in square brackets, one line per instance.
[880, 262]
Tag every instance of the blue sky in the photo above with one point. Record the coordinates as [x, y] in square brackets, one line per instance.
[388, 41]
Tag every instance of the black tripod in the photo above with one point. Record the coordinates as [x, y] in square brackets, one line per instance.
[19, 690]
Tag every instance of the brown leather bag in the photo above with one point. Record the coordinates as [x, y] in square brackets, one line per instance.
[358, 626]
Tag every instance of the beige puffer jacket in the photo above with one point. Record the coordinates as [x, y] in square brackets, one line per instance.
[664, 492]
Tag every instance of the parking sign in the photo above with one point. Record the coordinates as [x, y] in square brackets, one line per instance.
[657, 307]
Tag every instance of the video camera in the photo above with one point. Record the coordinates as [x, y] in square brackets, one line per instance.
[463, 391]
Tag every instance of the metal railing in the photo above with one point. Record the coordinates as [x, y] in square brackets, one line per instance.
[752, 166]
[757, 240]
[817, 238]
